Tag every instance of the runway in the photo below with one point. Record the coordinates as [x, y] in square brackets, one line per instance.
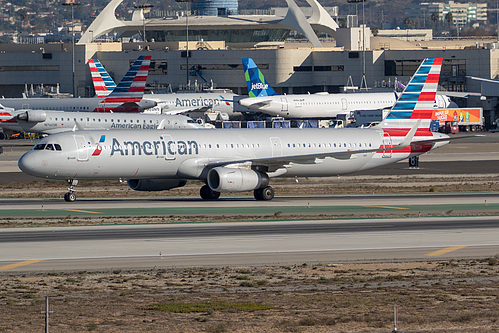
[250, 243]
[75, 248]
[246, 205]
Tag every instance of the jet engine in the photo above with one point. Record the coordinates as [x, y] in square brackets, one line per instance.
[155, 184]
[222, 179]
[33, 116]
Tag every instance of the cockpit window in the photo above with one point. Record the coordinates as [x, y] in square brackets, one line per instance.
[48, 146]
[40, 146]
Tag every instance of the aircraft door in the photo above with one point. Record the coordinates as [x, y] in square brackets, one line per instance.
[170, 147]
[344, 104]
[81, 148]
[387, 142]
[276, 146]
[284, 104]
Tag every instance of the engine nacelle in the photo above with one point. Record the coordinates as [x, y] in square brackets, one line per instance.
[222, 179]
[33, 116]
[155, 184]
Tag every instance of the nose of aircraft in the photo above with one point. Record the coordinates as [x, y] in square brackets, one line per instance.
[28, 163]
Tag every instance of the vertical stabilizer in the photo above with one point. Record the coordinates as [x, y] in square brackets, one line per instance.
[103, 83]
[417, 99]
[256, 82]
[130, 89]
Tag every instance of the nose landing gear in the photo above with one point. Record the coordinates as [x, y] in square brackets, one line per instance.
[70, 196]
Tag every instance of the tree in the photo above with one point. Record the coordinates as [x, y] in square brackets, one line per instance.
[435, 17]
[408, 22]
[448, 18]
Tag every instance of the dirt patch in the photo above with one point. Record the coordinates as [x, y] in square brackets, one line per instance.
[455, 296]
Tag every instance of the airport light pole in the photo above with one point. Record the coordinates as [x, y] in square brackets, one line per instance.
[72, 4]
[363, 81]
[187, 9]
[143, 7]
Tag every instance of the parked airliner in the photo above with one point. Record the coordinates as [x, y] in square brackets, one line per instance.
[173, 103]
[126, 97]
[49, 122]
[263, 98]
[236, 160]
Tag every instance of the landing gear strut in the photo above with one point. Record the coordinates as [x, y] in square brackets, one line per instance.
[208, 194]
[70, 196]
[266, 193]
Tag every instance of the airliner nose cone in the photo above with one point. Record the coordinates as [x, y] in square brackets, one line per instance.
[28, 164]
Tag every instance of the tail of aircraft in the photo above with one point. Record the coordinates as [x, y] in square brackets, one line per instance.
[130, 89]
[257, 84]
[416, 101]
[103, 83]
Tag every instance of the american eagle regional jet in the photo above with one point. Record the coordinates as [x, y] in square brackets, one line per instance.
[237, 160]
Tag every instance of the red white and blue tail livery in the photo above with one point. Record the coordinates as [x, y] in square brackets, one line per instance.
[415, 104]
[129, 91]
[103, 83]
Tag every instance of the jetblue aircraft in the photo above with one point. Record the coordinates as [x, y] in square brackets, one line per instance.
[126, 97]
[237, 160]
[263, 98]
[49, 122]
[174, 103]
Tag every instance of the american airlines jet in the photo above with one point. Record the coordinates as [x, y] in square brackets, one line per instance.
[237, 160]
[174, 103]
[320, 105]
[126, 97]
[49, 122]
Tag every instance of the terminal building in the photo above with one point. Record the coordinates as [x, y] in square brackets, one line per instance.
[306, 65]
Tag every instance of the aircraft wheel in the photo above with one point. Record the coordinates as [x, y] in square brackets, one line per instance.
[70, 197]
[208, 194]
[266, 193]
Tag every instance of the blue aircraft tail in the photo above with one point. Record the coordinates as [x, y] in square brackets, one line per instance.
[257, 85]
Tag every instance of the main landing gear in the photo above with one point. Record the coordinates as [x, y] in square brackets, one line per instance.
[70, 196]
[264, 194]
[208, 194]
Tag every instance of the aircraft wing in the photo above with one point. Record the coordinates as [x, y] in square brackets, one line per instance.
[459, 94]
[274, 163]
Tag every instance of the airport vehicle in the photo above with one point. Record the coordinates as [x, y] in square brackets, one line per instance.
[190, 102]
[49, 122]
[320, 105]
[237, 160]
[455, 120]
[126, 97]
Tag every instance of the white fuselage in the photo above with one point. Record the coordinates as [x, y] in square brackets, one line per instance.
[63, 104]
[323, 105]
[196, 101]
[49, 122]
[187, 154]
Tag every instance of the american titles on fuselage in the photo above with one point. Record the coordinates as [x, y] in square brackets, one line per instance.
[197, 102]
[163, 146]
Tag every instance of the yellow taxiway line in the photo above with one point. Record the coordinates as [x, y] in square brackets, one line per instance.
[81, 211]
[387, 207]
[22, 263]
[444, 251]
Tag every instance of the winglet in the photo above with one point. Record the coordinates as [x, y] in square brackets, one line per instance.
[408, 138]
